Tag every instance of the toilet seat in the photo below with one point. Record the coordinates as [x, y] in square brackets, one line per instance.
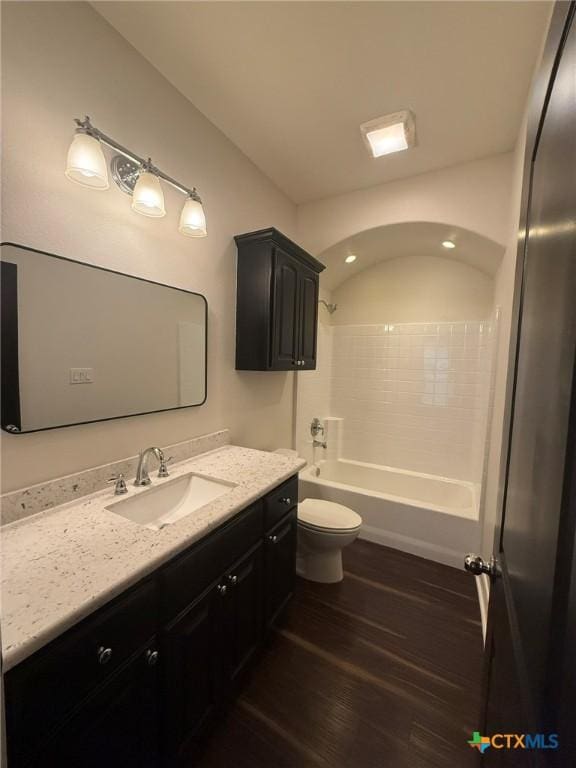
[321, 515]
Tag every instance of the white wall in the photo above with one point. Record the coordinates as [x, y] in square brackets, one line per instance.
[414, 289]
[475, 196]
[60, 61]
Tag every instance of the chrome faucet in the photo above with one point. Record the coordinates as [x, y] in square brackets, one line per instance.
[142, 476]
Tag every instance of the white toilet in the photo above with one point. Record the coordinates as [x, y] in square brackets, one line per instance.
[324, 528]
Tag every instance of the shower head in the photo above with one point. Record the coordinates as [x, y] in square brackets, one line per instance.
[330, 307]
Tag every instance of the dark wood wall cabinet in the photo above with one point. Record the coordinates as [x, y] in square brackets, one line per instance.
[136, 683]
[276, 303]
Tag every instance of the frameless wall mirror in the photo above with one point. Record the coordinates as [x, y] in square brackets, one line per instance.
[83, 344]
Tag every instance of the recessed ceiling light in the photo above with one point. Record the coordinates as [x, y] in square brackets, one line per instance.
[448, 244]
[350, 259]
[391, 133]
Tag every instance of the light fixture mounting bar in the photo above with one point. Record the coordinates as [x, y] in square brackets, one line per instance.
[86, 126]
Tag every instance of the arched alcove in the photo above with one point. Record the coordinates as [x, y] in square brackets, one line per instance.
[405, 359]
[417, 238]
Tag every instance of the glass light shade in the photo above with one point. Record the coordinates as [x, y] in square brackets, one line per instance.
[192, 219]
[86, 163]
[148, 198]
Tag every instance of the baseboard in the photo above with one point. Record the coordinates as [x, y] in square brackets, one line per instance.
[483, 587]
[413, 546]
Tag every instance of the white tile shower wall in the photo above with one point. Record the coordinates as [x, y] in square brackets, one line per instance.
[412, 395]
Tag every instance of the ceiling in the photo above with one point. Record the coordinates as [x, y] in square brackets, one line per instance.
[290, 82]
[408, 239]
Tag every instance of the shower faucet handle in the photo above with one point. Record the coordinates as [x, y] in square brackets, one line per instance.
[316, 427]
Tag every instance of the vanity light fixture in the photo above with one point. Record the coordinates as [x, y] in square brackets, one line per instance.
[135, 176]
[86, 163]
[448, 244]
[147, 197]
[350, 259]
[388, 134]
[192, 218]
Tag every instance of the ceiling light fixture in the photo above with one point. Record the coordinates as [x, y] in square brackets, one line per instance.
[137, 177]
[350, 259]
[388, 134]
[448, 244]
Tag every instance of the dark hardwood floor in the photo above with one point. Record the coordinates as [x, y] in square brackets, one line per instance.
[382, 670]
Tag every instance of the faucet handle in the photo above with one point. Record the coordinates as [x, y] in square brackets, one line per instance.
[316, 427]
[120, 484]
[163, 469]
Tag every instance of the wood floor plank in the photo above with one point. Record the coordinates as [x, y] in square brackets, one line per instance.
[380, 671]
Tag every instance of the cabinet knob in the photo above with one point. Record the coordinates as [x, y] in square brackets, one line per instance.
[286, 500]
[233, 580]
[222, 589]
[273, 539]
[104, 655]
[151, 658]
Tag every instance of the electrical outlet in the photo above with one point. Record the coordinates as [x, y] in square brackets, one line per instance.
[81, 375]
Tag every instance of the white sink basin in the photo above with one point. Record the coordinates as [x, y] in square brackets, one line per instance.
[165, 504]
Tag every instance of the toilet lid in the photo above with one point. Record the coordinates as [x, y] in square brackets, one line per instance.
[327, 514]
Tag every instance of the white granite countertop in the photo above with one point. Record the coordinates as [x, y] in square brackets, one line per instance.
[61, 565]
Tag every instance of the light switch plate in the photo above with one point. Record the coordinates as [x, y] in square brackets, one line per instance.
[81, 375]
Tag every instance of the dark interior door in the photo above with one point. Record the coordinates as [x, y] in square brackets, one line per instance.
[529, 603]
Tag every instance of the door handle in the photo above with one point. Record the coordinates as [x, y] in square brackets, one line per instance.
[476, 565]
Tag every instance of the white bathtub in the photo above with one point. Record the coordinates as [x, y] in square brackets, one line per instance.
[430, 516]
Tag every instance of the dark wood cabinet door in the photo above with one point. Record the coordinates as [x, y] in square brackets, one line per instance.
[280, 557]
[308, 318]
[116, 728]
[242, 615]
[190, 651]
[285, 310]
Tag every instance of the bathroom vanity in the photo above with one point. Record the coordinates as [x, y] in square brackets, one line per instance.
[136, 682]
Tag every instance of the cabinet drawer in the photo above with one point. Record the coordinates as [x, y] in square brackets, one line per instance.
[182, 581]
[41, 692]
[278, 502]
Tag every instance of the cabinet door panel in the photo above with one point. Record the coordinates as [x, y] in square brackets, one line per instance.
[280, 569]
[190, 680]
[244, 613]
[308, 289]
[116, 728]
[285, 312]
